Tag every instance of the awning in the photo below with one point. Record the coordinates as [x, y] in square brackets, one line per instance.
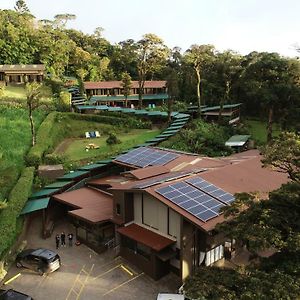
[44, 193]
[88, 204]
[34, 205]
[146, 237]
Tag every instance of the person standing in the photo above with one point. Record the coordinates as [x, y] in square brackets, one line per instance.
[57, 239]
[70, 238]
[63, 239]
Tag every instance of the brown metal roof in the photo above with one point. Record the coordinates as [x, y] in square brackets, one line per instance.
[118, 84]
[146, 237]
[89, 204]
[21, 68]
[246, 176]
[148, 172]
[109, 181]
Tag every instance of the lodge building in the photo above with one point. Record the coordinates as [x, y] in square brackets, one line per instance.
[18, 74]
[111, 93]
[159, 208]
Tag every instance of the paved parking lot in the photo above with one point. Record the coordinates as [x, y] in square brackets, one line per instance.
[86, 275]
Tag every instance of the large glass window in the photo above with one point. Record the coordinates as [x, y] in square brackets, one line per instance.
[213, 255]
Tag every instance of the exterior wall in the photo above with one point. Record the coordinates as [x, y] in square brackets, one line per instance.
[119, 200]
[187, 250]
[152, 266]
[150, 212]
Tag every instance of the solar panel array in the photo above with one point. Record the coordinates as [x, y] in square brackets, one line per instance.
[211, 189]
[191, 199]
[144, 156]
[197, 196]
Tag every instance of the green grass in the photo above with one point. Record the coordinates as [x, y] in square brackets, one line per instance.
[15, 141]
[258, 130]
[17, 92]
[76, 149]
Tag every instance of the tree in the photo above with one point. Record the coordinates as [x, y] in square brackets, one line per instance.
[151, 57]
[126, 85]
[284, 155]
[61, 20]
[198, 56]
[173, 91]
[271, 83]
[262, 224]
[228, 67]
[33, 95]
[21, 7]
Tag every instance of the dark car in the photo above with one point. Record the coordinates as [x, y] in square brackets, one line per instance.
[40, 260]
[13, 295]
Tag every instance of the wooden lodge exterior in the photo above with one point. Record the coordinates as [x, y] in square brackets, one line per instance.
[127, 209]
[19, 74]
[111, 93]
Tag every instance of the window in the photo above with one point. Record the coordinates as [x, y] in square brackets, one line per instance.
[118, 209]
[213, 255]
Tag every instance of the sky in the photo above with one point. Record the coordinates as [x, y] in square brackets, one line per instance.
[239, 25]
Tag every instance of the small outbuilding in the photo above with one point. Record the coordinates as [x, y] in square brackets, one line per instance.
[239, 142]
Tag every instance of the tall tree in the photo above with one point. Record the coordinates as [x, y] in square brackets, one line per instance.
[33, 96]
[173, 90]
[270, 81]
[21, 7]
[151, 57]
[228, 67]
[61, 20]
[126, 85]
[198, 56]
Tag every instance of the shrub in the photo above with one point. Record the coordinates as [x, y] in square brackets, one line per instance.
[112, 139]
[16, 201]
[54, 159]
[44, 140]
[63, 102]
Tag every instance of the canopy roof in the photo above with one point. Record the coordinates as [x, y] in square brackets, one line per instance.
[146, 237]
[118, 84]
[34, 205]
[89, 204]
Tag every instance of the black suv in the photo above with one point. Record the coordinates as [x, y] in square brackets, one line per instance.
[40, 260]
[13, 295]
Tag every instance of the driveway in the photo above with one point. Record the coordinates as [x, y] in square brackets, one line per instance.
[84, 274]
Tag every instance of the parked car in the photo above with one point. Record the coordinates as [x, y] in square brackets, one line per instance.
[13, 295]
[163, 296]
[40, 260]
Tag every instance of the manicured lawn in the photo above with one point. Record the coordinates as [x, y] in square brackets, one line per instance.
[258, 130]
[76, 149]
[15, 140]
[18, 92]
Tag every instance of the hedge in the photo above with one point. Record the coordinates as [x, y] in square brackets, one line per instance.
[44, 139]
[16, 201]
[113, 119]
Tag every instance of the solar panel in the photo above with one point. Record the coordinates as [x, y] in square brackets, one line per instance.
[193, 200]
[144, 156]
[211, 189]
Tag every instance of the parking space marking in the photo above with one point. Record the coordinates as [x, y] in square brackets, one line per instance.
[12, 279]
[72, 290]
[126, 269]
[85, 281]
[106, 272]
[120, 285]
